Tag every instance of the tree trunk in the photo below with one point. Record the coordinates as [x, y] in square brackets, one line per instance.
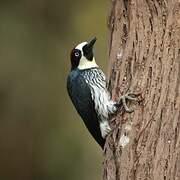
[144, 51]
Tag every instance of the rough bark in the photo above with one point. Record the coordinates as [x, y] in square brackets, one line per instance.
[144, 51]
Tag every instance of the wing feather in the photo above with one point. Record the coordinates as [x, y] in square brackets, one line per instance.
[80, 94]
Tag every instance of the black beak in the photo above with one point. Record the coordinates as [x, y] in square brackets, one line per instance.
[91, 43]
[88, 49]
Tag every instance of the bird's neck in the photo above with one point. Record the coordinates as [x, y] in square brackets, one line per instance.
[86, 64]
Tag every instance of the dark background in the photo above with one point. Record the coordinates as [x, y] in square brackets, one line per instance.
[41, 135]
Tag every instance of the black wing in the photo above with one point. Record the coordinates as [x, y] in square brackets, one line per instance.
[80, 95]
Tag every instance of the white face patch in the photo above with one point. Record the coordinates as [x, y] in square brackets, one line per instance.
[85, 63]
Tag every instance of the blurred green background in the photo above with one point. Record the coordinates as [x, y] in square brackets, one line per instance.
[41, 135]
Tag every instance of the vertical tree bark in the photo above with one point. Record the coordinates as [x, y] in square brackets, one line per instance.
[144, 51]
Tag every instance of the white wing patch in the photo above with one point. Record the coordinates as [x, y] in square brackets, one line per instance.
[105, 128]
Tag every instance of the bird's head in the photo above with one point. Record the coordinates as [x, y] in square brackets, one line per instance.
[82, 56]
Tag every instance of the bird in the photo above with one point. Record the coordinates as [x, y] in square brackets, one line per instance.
[87, 89]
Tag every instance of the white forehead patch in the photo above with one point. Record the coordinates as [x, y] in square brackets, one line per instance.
[80, 46]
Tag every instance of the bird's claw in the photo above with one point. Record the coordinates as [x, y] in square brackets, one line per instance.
[130, 97]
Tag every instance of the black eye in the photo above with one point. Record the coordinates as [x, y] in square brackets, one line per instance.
[76, 54]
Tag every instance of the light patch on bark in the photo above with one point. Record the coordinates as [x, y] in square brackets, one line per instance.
[128, 127]
[119, 55]
[124, 140]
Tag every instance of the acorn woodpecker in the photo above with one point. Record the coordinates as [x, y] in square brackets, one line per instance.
[87, 88]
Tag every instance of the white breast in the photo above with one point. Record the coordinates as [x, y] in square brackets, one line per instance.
[100, 95]
[103, 104]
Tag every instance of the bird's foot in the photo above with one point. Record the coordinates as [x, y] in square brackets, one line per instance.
[130, 97]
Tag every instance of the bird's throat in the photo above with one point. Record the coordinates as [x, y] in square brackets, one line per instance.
[86, 64]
